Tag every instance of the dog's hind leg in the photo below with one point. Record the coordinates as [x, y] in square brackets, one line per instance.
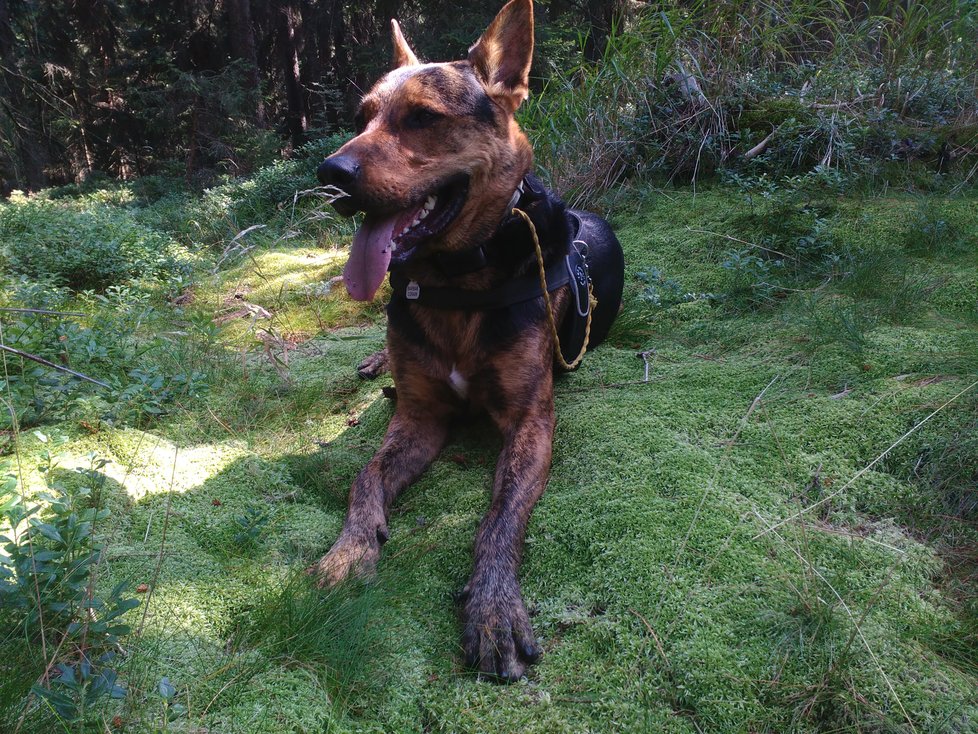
[497, 638]
[414, 438]
[374, 366]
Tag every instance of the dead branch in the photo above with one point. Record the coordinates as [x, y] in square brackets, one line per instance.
[52, 365]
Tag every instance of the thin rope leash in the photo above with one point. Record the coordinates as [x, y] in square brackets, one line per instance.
[546, 298]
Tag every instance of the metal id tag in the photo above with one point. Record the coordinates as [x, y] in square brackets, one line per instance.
[413, 291]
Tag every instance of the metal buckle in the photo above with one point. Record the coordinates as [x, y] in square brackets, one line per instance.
[580, 278]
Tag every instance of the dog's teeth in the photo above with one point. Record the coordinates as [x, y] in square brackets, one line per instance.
[429, 203]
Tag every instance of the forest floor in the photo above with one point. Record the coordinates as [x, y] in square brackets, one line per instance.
[769, 529]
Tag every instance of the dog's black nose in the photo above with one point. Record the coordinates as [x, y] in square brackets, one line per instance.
[340, 171]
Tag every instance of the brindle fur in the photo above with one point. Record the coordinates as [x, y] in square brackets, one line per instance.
[417, 128]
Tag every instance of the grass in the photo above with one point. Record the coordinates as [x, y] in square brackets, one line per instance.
[728, 547]
[692, 90]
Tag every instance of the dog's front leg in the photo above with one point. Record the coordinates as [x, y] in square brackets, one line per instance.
[498, 638]
[413, 440]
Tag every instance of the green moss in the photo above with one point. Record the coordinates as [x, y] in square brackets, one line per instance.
[703, 560]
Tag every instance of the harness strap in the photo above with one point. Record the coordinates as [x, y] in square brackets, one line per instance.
[509, 293]
[571, 340]
[463, 262]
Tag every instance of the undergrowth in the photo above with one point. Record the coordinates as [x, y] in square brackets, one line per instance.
[684, 90]
[233, 422]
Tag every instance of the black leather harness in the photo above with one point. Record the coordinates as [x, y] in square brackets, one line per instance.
[568, 267]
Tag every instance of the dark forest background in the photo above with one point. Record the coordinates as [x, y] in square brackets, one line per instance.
[129, 87]
[199, 90]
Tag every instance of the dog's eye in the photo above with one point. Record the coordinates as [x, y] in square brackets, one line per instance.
[360, 122]
[421, 117]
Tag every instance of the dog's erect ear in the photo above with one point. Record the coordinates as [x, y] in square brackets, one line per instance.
[403, 55]
[502, 55]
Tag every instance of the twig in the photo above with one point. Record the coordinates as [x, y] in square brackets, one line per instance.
[645, 358]
[46, 363]
[655, 638]
[223, 425]
[743, 242]
[865, 469]
[761, 146]
[43, 311]
[839, 105]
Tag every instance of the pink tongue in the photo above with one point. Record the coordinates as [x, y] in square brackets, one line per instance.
[369, 257]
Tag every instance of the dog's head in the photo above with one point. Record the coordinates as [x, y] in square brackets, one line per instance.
[438, 153]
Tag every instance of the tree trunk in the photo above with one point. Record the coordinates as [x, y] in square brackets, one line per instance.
[296, 119]
[241, 38]
[602, 17]
[28, 152]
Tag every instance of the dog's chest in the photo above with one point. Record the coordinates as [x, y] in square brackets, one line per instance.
[458, 382]
[478, 357]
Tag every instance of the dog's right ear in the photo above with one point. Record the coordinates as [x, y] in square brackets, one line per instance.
[503, 54]
[403, 55]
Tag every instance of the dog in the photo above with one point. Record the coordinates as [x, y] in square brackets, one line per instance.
[441, 171]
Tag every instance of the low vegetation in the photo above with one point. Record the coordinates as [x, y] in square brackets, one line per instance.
[771, 532]
[761, 510]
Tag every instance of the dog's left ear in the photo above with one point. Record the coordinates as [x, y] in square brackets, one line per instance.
[502, 55]
[403, 55]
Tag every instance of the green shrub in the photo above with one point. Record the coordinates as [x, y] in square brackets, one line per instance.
[118, 344]
[663, 292]
[84, 249]
[50, 554]
[685, 90]
[266, 198]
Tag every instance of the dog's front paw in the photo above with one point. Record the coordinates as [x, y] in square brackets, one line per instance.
[349, 556]
[497, 637]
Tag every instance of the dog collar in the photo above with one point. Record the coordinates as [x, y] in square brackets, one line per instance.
[515, 198]
[463, 262]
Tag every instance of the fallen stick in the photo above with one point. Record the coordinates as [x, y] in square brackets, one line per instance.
[761, 146]
[52, 365]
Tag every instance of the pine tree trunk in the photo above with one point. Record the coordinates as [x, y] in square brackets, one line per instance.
[241, 38]
[297, 121]
[28, 152]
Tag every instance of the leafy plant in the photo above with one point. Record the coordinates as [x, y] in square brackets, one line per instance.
[48, 583]
[171, 710]
[250, 524]
[92, 247]
[750, 277]
[79, 686]
[118, 344]
[663, 292]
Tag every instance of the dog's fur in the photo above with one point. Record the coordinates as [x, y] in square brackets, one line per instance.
[448, 129]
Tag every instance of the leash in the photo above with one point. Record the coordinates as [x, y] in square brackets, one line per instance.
[549, 305]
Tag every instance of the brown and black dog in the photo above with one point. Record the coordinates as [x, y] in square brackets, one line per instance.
[436, 167]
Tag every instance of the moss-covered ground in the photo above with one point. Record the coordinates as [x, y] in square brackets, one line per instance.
[759, 537]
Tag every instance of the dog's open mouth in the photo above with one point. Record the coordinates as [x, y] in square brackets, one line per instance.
[397, 237]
